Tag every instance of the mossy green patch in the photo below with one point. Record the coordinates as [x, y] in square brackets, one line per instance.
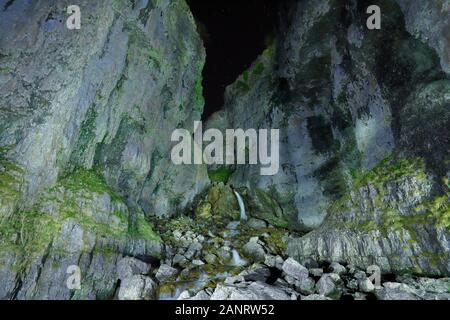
[87, 180]
[391, 169]
[5, 70]
[221, 174]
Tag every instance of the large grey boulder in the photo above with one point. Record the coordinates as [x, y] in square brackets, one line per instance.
[294, 269]
[254, 249]
[107, 97]
[137, 287]
[330, 285]
[166, 273]
[251, 291]
[396, 291]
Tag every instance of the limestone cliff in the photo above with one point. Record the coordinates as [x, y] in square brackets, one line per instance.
[85, 124]
[348, 99]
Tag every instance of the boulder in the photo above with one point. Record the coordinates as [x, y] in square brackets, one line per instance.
[316, 272]
[166, 273]
[250, 291]
[294, 269]
[256, 223]
[306, 286]
[338, 268]
[365, 285]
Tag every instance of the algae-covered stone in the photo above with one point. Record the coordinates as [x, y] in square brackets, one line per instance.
[203, 210]
[223, 202]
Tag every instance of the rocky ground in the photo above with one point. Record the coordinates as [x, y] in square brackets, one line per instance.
[203, 267]
[210, 256]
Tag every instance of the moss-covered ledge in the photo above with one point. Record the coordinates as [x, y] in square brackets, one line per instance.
[83, 201]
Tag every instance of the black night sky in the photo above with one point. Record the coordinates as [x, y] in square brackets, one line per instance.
[236, 33]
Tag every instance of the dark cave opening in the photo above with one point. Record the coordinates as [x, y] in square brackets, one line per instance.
[234, 34]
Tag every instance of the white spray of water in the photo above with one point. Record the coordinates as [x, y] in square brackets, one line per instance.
[241, 206]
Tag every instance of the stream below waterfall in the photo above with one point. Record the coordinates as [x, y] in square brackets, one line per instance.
[204, 276]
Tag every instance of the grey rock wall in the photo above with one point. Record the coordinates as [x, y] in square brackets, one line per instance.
[85, 123]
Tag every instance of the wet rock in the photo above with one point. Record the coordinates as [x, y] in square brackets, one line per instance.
[256, 223]
[329, 285]
[306, 286]
[128, 266]
[252, 291]
[137, 287]
[359, 296]
[185, 295]
[294, 269]
[273, 261]
[234, 279]
[396, 291]
[197, 263]
[257, 273]
[254, 250]
[193, 250]
[365, 285]
[166, 273]
[223, 201]
[338, 268]
[316, 272]
[180, 260]
[201, 295]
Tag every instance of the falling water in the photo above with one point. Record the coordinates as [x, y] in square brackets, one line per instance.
[241, 206]
[237, 260]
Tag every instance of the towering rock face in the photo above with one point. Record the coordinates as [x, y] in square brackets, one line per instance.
[85, 125]
[344, 98]
[364, 146]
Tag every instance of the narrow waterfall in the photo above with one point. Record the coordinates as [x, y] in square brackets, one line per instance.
[241, 206]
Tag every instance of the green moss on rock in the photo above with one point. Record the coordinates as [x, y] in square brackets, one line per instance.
[221, 174]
